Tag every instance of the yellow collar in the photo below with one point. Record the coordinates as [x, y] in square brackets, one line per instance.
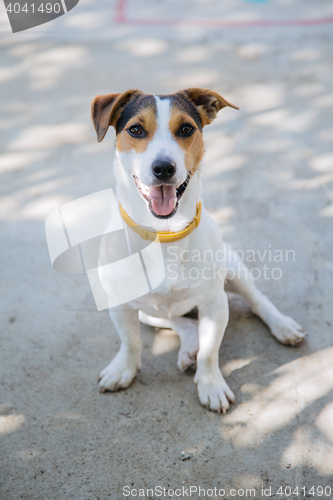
[164, 236]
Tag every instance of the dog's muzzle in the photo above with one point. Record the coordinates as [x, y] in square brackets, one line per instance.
[162, 199]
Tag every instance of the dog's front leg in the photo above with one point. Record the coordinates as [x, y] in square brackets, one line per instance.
[120, 373]
[213, 390]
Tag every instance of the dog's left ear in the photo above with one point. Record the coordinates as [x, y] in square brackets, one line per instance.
[106, 109]
[208, 103]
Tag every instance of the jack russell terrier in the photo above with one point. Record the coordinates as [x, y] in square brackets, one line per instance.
[159, 151]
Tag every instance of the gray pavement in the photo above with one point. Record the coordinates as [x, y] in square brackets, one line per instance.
[269, 186]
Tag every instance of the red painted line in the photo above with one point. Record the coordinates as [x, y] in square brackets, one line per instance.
[120, 9]
[229, 24]
[121, 18]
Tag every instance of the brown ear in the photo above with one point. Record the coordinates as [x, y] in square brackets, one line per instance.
[208, 103]
[106, 109]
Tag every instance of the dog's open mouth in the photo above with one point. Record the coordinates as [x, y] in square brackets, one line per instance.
[163, 199]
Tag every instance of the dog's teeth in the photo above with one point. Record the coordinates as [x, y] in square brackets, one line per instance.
[174, 202]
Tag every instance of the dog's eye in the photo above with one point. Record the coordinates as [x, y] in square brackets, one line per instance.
[186, 129]
[135, 130]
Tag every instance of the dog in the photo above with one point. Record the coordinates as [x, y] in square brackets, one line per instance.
[159, 152]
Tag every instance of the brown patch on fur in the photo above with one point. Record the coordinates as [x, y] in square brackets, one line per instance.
[147, 119]
[207, 102]
[193, 146]
[106, 109]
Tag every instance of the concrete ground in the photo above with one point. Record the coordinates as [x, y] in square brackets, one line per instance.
[269, 186]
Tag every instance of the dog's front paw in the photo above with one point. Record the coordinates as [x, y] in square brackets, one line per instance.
[287, 331]
[214, 392]
[119, 374]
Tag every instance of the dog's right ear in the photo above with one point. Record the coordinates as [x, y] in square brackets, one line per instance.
[106, 109]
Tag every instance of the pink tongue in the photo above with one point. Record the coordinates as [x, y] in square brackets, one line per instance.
[162, 199]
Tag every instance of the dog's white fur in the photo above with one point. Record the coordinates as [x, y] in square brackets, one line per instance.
[200, 340]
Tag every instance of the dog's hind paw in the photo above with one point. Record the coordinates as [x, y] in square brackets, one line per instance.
[187, 330]
[287, 331]
[187, 359]
[119, 374]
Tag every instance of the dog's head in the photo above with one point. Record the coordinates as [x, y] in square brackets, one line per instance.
[159, 139]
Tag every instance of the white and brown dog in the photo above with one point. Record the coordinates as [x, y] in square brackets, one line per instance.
[159, 150]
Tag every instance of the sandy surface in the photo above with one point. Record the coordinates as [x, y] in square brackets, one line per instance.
[269, 186]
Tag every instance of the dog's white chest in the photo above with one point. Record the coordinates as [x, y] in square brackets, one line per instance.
[177, 295]
[163, 306]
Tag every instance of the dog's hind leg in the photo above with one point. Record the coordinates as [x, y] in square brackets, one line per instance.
[187, 330]
[239, 280]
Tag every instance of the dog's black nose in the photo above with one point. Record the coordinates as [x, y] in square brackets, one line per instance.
[163, 169]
